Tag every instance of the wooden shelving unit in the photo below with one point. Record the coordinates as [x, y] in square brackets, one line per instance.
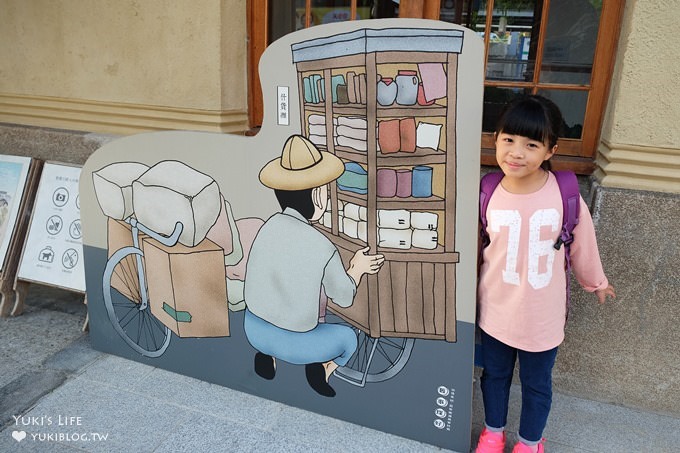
[413, 295]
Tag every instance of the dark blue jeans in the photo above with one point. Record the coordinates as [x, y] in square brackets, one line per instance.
[535, 374]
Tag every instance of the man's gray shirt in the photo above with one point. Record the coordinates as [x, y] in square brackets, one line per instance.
[288, 263]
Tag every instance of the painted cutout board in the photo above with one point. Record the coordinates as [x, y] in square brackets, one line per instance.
[235, 259]
[13, 174]
[53, 252]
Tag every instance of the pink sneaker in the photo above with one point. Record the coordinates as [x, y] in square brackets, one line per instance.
[490, 442]
[524, 448]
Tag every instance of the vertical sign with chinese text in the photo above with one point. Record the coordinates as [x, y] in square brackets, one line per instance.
[283, 107]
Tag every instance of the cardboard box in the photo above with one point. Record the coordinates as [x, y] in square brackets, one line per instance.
[187, 288]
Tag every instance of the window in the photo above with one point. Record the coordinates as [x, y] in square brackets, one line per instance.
[561, 49]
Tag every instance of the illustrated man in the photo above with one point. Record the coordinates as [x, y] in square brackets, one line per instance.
[290, 261]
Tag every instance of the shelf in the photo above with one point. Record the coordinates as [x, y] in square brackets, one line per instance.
[411, 203]
[359, 157]
[390, 111]
[349, 109]
[355, 198]
[414, 255]
[396, 110]
[421, 156]
[317, 108]
[438, 255]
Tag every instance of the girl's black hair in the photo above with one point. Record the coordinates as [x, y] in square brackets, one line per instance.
[535, 117]
[300, 200]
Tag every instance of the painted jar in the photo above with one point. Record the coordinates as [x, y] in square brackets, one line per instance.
[387, 182]
[403, 183]
[387, 91]
[407, 87]
[421, 181]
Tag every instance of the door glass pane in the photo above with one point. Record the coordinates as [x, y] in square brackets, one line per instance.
[284, 18]
[573, 107]
[511, 51]
[462, 12]
[329, 11]
[495, 100]
[287, 16]
[570, 41]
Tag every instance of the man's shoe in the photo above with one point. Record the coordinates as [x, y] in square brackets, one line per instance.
[316, 377]
[491, 442]
[264, 366]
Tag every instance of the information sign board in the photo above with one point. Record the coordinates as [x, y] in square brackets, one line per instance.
[54, 249]
[13, 173]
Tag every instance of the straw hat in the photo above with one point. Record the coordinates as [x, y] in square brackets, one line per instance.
[301, 166]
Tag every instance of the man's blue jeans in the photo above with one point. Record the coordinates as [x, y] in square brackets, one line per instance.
[535, 374]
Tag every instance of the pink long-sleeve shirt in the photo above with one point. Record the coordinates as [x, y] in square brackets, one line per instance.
[522, 285]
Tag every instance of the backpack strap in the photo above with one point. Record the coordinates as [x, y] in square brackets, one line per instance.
[568, 184]
[571, 202]
[487, 185]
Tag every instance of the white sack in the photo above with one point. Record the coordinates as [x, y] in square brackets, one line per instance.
[399, 219]
[424, 220]
[350, 227]
[394, 239]
[355, 212]
[424, 239]
[171, 192]
[362, 230]
[326, 220]
[113, 188]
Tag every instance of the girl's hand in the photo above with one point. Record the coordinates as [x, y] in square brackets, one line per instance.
[603, 293]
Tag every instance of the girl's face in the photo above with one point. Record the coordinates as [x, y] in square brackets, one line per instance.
[520, 156]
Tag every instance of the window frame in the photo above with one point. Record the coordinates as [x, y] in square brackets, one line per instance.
[576, 154]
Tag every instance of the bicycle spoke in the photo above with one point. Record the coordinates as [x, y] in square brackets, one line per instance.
[139, 331]
[159, 325]
[389, 342]
[151, 334]
[128, 281]
[147, 332]
[132, 310]
[382, 352]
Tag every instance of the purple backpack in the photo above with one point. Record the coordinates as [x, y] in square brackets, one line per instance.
[568, 184]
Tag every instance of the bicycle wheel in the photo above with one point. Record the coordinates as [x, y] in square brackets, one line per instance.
[129, 316]
[376, 359]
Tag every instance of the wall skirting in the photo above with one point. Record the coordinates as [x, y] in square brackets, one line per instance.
[638, 167]
[114, 118]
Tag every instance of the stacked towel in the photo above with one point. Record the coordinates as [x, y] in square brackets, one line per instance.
[354, 179]
[351, 132]
[317, 129]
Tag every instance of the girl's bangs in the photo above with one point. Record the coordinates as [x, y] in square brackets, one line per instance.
[527, 121]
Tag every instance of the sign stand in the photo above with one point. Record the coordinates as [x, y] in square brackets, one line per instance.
[52, 251]
[10, 266]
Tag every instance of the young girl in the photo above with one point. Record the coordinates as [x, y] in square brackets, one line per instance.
[522, 284]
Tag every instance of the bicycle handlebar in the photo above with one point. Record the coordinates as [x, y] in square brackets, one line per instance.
[165, 240]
